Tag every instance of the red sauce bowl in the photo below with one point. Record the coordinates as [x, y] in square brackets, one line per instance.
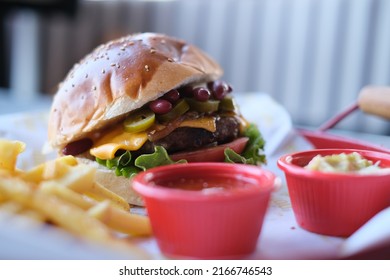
[206, 210]
[335, 204]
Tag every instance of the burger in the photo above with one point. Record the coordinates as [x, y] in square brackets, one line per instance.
[147, 100]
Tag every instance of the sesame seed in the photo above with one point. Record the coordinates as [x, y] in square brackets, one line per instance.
[131, 43]
[147, 68]
[152, 50]
[94, 88]
[170, 59]
[103, 71]
[113, 64]
[86, 75]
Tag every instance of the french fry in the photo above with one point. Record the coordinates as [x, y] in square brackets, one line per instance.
[115, 218]
[65, 193]
[80, 178]
[2, 197]
[100, 193]
[11, 207]
[9, 151]
[49, 170]
[15, 210]
[121, 221]
[34, 215]
[59, 168]
[68, 195]
[56, 210]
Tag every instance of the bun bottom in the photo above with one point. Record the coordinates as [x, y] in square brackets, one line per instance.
[117, 184]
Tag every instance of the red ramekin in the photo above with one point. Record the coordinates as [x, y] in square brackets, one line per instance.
[335, 204]
[211, 224]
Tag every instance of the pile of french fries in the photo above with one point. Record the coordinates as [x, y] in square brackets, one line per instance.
[63, 193]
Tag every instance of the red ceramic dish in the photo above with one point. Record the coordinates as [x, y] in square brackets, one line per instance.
[324, 140]
[206, 210]
[335, 203]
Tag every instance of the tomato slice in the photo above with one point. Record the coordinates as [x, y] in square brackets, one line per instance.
[212, 154]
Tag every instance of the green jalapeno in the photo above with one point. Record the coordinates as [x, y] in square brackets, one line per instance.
[179, 109]
[208, 106]
[139, 121]
[227, 104]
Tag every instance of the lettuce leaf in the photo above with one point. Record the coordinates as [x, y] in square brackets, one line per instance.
[254, 150]
[125, 165]
[158, 158]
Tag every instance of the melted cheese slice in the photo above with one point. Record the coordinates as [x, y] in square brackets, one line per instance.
[118, 139]
[207, 123]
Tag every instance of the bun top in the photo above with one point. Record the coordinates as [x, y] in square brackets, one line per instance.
[121, 76]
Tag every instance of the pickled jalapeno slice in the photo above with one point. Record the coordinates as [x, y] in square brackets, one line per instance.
[227, 104]
[139, 121]
[208, 106]
[179, 109]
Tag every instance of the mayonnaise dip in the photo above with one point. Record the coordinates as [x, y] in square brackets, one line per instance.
[345, 163]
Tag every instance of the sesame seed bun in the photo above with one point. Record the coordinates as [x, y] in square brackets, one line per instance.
[121, 76]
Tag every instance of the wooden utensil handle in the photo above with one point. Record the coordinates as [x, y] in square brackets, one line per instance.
[375, 100]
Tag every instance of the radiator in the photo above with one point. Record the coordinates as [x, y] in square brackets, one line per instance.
[312, 56]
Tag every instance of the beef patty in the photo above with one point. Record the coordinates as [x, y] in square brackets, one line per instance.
[188, 138]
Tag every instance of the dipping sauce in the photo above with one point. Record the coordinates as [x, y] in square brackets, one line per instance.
[210, 184]
[343, 163]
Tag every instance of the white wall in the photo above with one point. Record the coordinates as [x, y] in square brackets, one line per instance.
[313, 56]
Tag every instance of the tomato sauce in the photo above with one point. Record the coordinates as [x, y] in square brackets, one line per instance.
[208, 184]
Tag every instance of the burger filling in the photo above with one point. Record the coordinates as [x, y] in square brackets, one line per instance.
[189, 138]
[186, 124]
